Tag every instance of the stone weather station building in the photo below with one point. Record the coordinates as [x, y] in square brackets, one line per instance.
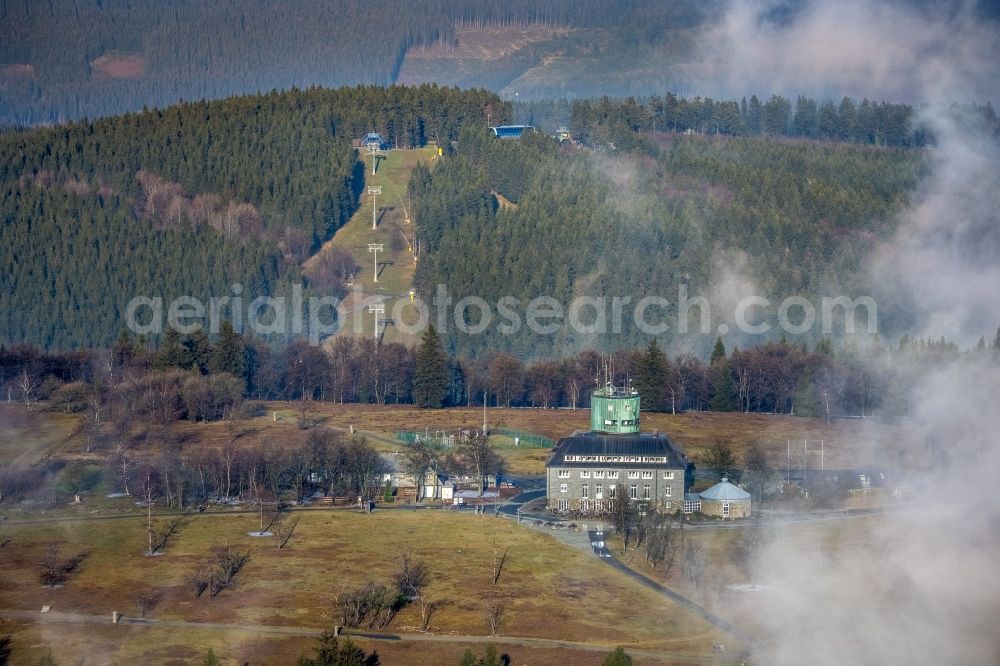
[588, 471]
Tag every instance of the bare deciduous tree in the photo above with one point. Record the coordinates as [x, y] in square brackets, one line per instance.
[427, 610]
[493, 614]
[218, 573]
[479, 457]
[283, 531]
[663, 539]
[498, 562]
[145, 600]
[695, 563]
[721, 461]
[54, 569]
[28, 384]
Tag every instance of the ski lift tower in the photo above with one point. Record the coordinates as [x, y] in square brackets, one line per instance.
[373, 150]
[374, 190]
[377, 309]
[375, 248]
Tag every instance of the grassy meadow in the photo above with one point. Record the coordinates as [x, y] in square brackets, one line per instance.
[548, 590]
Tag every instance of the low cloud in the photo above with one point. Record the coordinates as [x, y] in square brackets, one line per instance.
[882, 50]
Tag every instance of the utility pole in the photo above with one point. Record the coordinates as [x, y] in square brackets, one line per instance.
[822, 454]
[374, 190]
[377, 309]
[805, 459]
[485, 431]
[375, 248]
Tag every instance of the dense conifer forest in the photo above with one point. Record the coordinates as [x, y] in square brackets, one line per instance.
[196, 197]
[113, 56]
[190, 199]
[790, 218]
[620, 122]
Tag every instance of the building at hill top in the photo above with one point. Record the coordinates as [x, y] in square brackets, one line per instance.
[587, 471]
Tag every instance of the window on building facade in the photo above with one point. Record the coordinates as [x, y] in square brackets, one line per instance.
[725, 509]
[599, 474]
[633, 475]
[585, 491]
[632, 491]
[645, 492]
[613, 474]
[668, 492]
[668, 505]
[563, 487]
[564, 474]
[563, 505]
[585, 474]
[599, 491]
[668, 475]
[612, 491]
[647, 475]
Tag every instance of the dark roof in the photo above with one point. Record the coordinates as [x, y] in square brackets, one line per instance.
[606, 449]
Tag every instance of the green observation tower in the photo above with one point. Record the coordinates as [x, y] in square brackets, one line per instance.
[614, 410]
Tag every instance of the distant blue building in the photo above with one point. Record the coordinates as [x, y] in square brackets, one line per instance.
[511, 131]
[374, 139]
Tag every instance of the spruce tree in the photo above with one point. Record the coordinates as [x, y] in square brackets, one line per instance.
[618, 658]
[227, 354]
[806, 397]
[430, 377]
[651, 379]
[718, 351]
[171, 353]
[197, 350]
[725, 398]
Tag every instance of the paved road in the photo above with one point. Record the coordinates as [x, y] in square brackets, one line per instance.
[295, 630]
[598, 546]
[601, 550]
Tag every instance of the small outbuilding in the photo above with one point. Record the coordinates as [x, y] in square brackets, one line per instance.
[374, 140]
[511, 131]
[725, 500]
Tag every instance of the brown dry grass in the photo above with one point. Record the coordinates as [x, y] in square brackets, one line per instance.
[170, 646]
[846, 443]
[28, 437]
[549, 590]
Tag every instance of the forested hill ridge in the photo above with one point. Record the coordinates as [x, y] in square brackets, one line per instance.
[722, 216]
[114, 56]
[191, 199]
[622, 123]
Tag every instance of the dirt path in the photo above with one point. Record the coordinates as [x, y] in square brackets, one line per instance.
[296, 630]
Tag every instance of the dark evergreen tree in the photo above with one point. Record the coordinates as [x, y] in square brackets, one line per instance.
[651, 378]
[197, 351]
[618, 657]
[718, 351]
[430, 379]
[333, 651]
[171, 352]
[724, 398]
[228, 353]
[806, 397]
